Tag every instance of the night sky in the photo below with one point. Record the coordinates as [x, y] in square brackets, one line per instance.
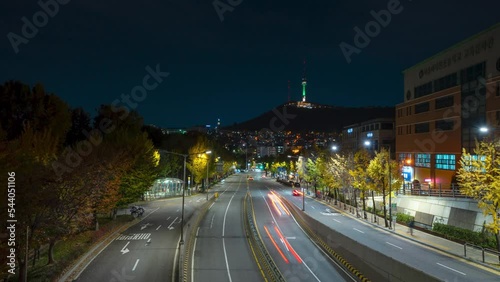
[90, 52]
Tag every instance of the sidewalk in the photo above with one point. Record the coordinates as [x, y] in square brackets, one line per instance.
[450, 247]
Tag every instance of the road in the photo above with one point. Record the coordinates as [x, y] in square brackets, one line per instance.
[297, 257]
[433, 262]
[145, 251]
[221, 251]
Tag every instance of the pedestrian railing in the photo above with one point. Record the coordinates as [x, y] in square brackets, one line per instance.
[491, 252]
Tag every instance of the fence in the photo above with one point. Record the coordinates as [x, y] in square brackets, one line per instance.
[436, 190]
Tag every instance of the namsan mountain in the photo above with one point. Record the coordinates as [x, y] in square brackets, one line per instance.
[306, 117]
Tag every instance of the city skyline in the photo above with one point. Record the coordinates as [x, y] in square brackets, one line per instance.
[228, 62]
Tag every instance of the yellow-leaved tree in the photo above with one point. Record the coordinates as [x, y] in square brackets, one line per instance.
[479, 178]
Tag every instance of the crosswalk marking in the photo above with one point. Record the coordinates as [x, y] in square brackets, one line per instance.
[136, 236]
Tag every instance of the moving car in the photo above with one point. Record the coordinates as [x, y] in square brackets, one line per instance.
[250, 177]
[296, 192]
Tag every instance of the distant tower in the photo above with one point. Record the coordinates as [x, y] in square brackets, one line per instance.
[304, 83]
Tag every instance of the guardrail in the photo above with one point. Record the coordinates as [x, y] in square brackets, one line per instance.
[483, 250]
[265, 262]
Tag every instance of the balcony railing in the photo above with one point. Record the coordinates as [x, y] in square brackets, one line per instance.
[433, 190]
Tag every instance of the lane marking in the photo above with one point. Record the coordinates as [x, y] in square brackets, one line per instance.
[212, 222]
[211, 205]
[170, 226]
[175, 258]
[223, 232]
[336, 220]
[125, 250]
[168, 218]
[450, 268]
[394, 245]
[192, 256]
[313, 207]
[269, 208]
[135, 265]
[158, 227]
[358, 230]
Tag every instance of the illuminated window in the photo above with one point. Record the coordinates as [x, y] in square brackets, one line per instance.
[423, 160]
[349, 130]
[445, 161]
[369, 134]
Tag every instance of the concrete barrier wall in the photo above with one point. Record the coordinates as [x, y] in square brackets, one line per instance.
[372, 264]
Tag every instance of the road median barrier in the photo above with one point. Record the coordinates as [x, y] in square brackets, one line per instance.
[265, 263]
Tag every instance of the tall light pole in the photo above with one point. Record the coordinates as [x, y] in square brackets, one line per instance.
[181, 242]
[207, 153]
[390, 186]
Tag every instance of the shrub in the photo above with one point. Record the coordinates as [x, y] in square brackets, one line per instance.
[483, 239]
[404, 218]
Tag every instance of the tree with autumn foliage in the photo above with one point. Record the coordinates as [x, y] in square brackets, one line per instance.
[360, 176]
[199, 159]
[479, 177]
[385, 177]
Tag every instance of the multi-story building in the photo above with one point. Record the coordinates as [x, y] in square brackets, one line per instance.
[379, 133]
[449, 99]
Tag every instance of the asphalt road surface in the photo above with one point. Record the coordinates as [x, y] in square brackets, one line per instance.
[221, 251]
[438, 264]
[297, 257]
[145, 251]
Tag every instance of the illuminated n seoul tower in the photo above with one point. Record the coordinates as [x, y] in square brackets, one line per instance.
[304, 83]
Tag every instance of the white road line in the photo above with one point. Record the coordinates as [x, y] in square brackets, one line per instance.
[451, 268]
[211, 205]
[172, 222]
[158, 227]
[175, 258]
[192, 256]
[313, 207]
[212, 221]
[358, 230]
[223, 239]
[336, 220]
[168, 218]
[177, 210]
[269, 208]
[394, 245]
[135, 265]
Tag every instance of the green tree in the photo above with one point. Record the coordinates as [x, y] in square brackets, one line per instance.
[479, 177]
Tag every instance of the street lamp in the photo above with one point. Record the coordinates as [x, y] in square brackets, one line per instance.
[208, 153]
[181, 242]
